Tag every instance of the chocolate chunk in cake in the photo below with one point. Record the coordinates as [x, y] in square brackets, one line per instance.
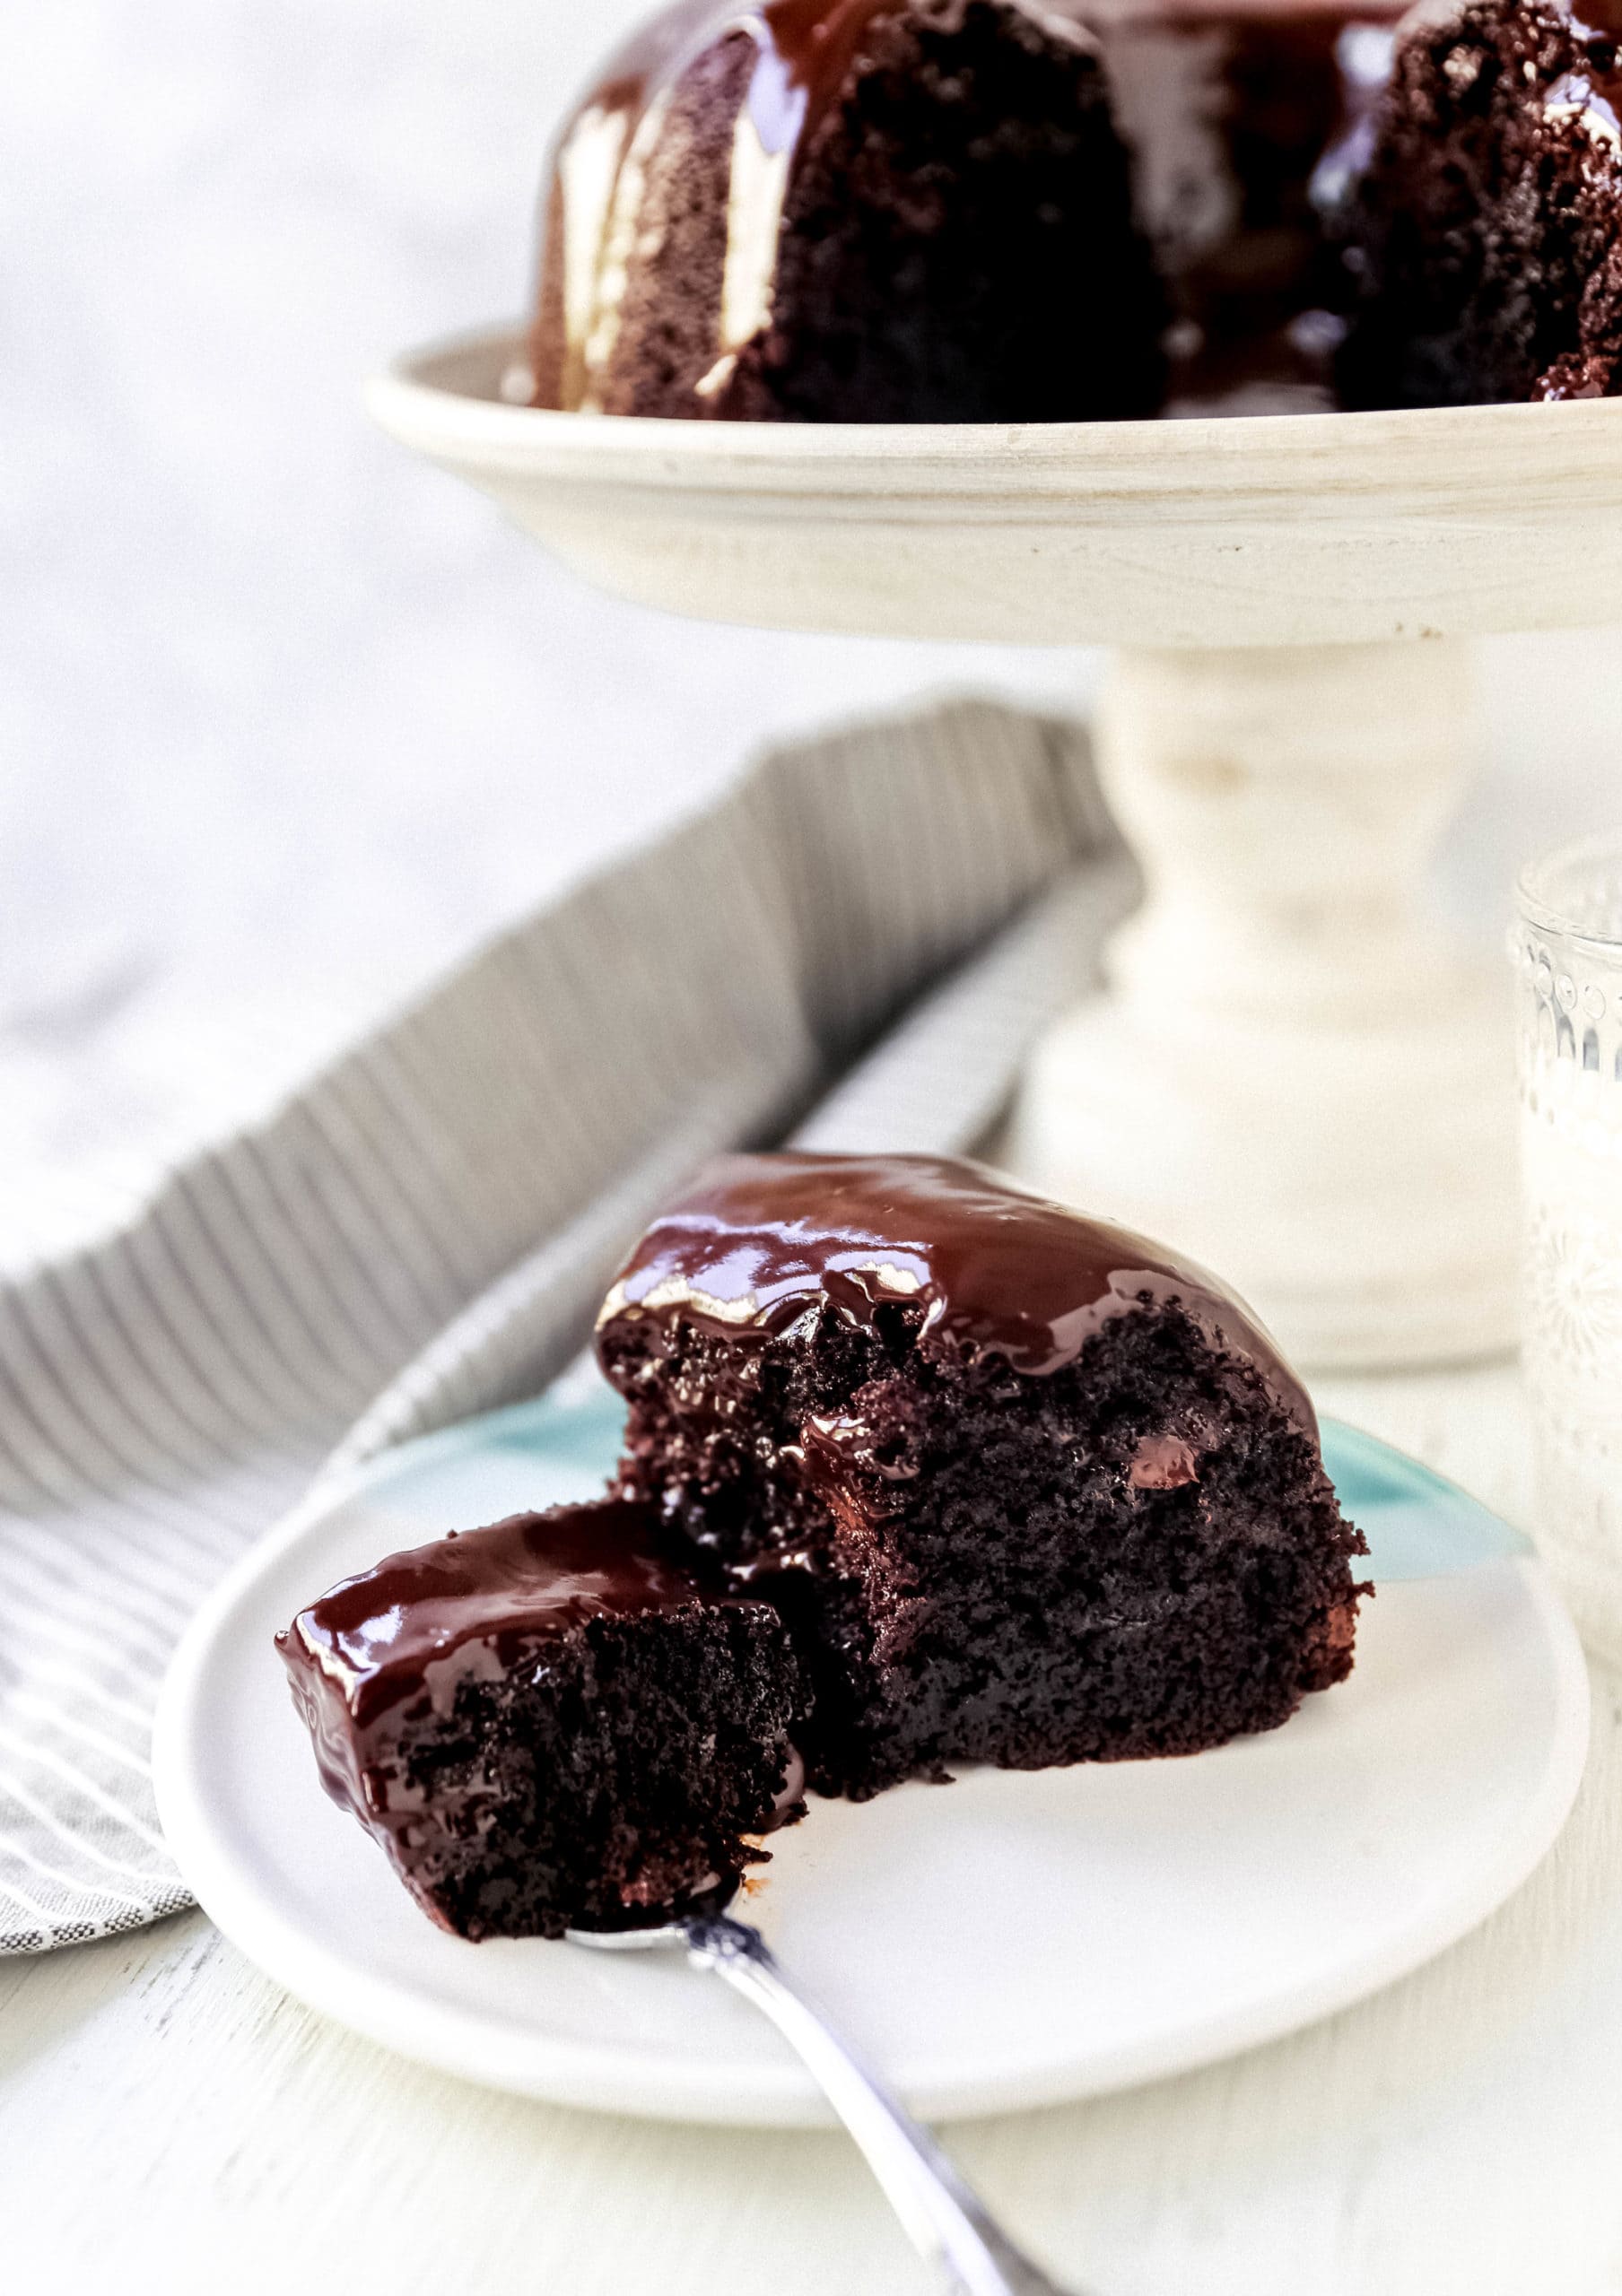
[1029, 1489]
[548, 1722]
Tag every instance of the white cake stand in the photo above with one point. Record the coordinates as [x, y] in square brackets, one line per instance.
[1293, 1074]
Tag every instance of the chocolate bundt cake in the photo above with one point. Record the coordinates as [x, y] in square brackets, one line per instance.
[953, 210]
[1027, 1489]
[548, 1722]
[1020, 210]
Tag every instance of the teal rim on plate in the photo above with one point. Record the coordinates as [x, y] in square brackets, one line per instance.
[1417, 1524]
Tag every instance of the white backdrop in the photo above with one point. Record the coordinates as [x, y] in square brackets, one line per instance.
[287, 719]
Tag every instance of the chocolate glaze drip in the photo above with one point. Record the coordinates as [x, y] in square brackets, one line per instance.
[423, 1620]
[805, 48]
[763, 1241]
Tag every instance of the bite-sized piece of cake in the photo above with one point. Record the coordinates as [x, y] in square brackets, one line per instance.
[549, 1724]
[1030, 1488]
[849, 210]
[1485, 223]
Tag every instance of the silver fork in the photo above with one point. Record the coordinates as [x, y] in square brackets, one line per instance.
[941, 2216]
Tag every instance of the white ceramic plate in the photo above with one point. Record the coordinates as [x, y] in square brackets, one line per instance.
[1004, 1941]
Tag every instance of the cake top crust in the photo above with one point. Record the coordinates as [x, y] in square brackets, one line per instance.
[761, 1240]
[423, 1620]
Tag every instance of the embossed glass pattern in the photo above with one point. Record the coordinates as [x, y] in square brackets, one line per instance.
[1567, 950]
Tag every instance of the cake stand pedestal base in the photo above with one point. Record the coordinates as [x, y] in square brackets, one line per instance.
[1295, 1074]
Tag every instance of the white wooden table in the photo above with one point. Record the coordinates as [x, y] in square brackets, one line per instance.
[169, 2119]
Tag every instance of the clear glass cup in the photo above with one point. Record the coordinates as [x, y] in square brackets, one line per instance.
[1566, 945]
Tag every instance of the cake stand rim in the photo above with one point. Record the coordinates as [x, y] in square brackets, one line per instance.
[1481, 456]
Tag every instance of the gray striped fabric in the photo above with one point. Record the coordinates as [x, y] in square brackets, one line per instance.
[868, 930]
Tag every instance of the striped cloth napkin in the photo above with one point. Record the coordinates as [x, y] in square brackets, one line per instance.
[852, 950]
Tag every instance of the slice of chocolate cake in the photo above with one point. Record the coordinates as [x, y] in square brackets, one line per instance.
[1028, 1489]
[549, 1724]
[1484, 226]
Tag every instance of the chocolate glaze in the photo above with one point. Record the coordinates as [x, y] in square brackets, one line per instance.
[761, 1242]
[807, 46]
[422, 1619]
[805, 49]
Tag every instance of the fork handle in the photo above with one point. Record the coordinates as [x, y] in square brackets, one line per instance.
[942, 2217]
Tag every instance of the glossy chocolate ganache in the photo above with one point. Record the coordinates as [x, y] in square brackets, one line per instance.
[420, 1621]
[763, 1241]
[748, 195]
